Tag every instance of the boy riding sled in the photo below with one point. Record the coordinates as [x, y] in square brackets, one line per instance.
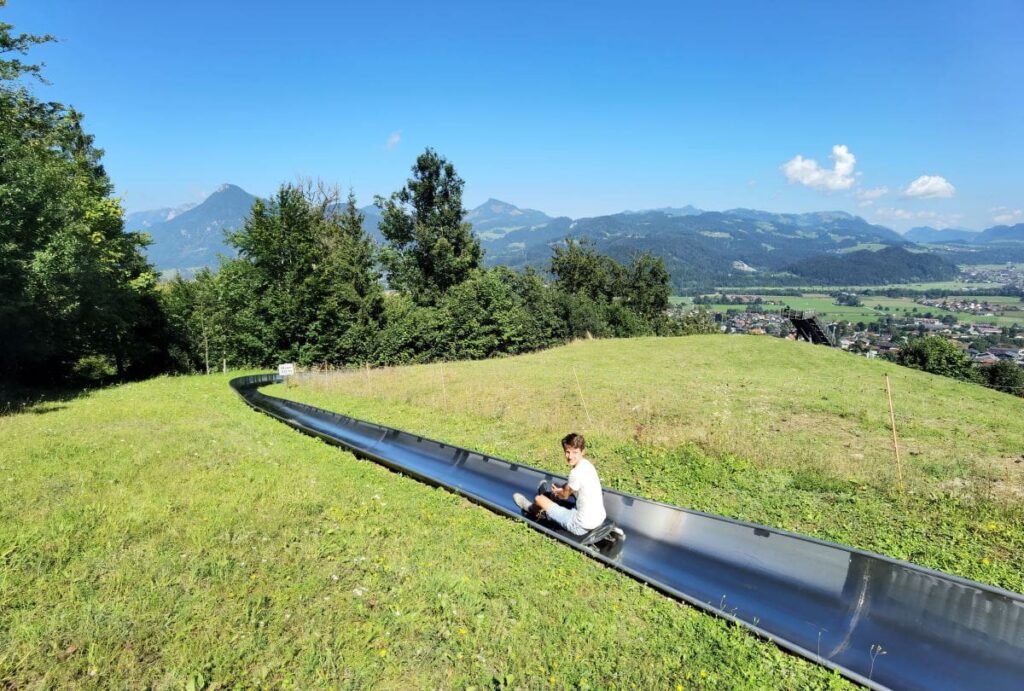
[583, 481]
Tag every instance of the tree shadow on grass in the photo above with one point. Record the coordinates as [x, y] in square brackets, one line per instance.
[19, 400]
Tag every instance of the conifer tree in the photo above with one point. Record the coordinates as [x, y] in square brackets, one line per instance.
[430, 248]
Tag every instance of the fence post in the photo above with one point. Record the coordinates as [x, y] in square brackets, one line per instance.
[895, 443]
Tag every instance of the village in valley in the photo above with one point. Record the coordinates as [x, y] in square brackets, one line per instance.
[987, 322]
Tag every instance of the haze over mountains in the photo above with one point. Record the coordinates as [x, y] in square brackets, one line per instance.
[698, 246]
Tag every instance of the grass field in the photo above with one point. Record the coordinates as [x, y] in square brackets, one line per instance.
[162, 534]
[767, 430]
[825, 306]
[936, 285]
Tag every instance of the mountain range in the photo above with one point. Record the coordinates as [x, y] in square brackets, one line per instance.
[699, 247]
[927, 234]
[190, 238]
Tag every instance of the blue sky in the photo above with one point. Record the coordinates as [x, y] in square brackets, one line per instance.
[905, 113]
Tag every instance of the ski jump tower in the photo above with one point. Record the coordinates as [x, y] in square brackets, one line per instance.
[811, 328]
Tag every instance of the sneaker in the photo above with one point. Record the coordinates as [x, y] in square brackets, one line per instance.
[522, 502]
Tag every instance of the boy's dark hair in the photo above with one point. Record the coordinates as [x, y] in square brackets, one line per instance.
[574, 441]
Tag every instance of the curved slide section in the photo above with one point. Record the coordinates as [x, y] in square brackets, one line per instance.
[881, 622]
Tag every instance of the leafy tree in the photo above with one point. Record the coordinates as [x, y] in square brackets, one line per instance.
[431, 248]
[648, 286]
[697, 321]
[409, 334]
[12, 68]
[1004, 376]
[578, 268]
[937, 355]
[305, 280]
[73, 285]
[201, 324]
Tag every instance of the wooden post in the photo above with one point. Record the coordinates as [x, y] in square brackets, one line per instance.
[367, 378]
[582, 400]
[895, 443]
[444, 389]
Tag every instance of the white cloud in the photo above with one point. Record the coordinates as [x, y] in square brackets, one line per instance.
[807, 172]
[393, 140]
[930, 186]
[1007, 216]
[868, 197]
[932, 218]
[899, 214]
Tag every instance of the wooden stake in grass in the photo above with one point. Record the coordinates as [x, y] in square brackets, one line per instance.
[444, 389]
[582, 400]
[895, 443]
[367, 378]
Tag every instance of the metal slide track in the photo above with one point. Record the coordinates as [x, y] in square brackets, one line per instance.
[880, 622]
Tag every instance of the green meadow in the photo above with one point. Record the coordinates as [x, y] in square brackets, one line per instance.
[874, 307]
[934, 285]
[163, 535]
[761, 429]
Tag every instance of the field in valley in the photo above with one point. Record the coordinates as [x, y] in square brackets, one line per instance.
[876, 307]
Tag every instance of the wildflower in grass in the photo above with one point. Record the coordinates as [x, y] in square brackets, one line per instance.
[384, 652]
[986, 561]
[463, 631]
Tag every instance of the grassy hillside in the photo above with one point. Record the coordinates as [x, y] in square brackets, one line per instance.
[778, 432]
[164, 535]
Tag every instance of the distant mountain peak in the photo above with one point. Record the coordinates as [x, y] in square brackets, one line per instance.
[494, 207]
[495, 218]
[227, 188]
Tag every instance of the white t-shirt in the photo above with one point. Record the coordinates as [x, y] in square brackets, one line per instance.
[583, 481]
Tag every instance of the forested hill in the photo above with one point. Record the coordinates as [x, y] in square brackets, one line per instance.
[929, 234]
[891, 264]
[1003, 234]
[703, 248]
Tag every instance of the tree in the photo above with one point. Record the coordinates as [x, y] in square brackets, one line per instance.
[198, 323]
[305, 282]
[937, 355]
[696, 322]
[1004, 376]
[73, 285]
[578, 268]
[350, 312]
[12, 69]
[431, 248]
[648, 286]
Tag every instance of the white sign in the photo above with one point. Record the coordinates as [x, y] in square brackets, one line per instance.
[286, 370]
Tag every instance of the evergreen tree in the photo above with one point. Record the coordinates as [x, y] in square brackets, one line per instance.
[430, 248]
[351, 309]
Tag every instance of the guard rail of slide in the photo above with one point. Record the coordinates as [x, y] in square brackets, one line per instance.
[881, 622]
